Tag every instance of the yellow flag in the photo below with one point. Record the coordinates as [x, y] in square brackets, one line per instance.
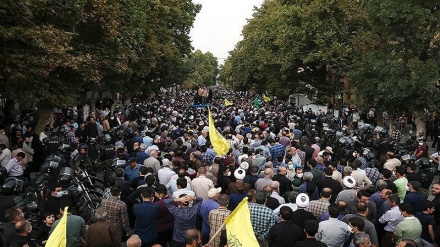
[220, 144]
[266, 98]
[228, 103]
[58, 236]
[239, 227]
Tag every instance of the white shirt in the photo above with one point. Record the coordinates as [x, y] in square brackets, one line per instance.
[165, 175]
[5, 157]
[278, 197]
[172, 186]
[296, 159]
[201, 185]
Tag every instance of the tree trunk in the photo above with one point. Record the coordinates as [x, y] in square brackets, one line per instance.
[420, 122]
[45, 116]
[115, 102]
[391, 121]
[127, 101]
[92, 102]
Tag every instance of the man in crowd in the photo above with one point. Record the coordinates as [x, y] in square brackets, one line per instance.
[117, 211]
[184, 216]
[277, 233]
[262, 218]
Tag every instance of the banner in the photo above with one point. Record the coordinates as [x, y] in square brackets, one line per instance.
[266, 98]
[257, 103]
[58, 236]
[228, 103]
[239, 227]
[220, 144]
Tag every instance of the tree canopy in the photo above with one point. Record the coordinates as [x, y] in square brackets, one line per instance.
[53, 50]
[203, 69]
[289, 44]
[389, 50]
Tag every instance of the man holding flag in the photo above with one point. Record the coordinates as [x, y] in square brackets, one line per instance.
[67, 231]
[262, 217]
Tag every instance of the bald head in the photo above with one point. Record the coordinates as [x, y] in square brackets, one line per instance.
[326, 193]
[134, 241]
[268, 189]
[20, 226]
[268, 172]
[282, 170]
[192, 237]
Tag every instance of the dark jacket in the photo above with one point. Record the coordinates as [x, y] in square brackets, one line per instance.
[278, 234]
[103, 234]
[328, 182]
[310, 242]
[300, 216]
[285, 184]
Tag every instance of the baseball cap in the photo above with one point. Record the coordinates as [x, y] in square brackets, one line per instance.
[213, 191]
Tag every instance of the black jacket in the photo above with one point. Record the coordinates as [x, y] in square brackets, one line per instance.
[285, 234]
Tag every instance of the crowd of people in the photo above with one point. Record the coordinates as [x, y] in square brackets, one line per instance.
[176, 191]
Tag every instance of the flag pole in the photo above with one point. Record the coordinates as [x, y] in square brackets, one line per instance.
[217, 232]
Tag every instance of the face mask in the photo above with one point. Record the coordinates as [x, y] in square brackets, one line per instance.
[59, 194]
[407, 188]
[420, 143]
[291, 167]
[29, 229]
[350, 229]
[300, 175]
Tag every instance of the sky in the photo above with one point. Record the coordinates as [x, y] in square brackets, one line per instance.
[219, 23]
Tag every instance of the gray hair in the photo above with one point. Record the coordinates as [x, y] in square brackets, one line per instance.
[408, 242]
[101, 213]
[360, 238]
[166, 163]
[260, 197]
[275, 185]
[223, 200]
[348, 170]
[292, 196]
[308, 176]
[380, 185]
[134, 241]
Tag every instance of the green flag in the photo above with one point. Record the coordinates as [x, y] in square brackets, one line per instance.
[257, 103]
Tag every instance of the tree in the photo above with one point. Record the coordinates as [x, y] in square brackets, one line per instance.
[52, 51]
[397, 63]
[288, 46]
[38, 63]
[203, 69]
